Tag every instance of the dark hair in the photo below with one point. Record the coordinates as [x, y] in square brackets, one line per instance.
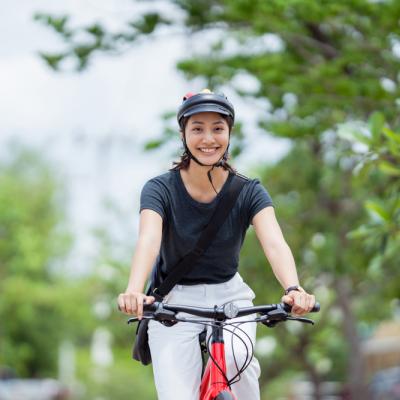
[184, 162]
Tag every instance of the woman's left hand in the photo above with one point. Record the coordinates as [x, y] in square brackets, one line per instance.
[301, 302]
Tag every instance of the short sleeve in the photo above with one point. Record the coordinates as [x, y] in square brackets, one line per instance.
[258, 199]
[151, 198]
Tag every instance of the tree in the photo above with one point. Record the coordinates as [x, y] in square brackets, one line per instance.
[376, 150]
[317, 64]
[36, 307]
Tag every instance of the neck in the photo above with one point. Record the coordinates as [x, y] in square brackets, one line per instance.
[197, 174]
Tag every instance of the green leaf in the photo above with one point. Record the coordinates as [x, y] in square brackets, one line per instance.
[389, 169]
[391, 135]
[376, 123]
[59, 24]
[52, 60]
[375, 267]
[148, 23]
[361, 232]
[154, 144]
[354, 131]
[377, 210]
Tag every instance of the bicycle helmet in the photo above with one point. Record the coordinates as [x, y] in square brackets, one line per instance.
[205, 101]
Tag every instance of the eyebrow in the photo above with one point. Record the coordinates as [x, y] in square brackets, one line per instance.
[214, 123]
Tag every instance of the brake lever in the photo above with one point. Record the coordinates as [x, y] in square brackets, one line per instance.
[270, 324]
[274, 317]
[301, 319]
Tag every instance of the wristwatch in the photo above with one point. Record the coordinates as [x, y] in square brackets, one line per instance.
[290, 288]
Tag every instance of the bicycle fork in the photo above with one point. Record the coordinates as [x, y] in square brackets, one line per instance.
[214, 385]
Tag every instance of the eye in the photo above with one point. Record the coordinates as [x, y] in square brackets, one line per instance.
[219, 129]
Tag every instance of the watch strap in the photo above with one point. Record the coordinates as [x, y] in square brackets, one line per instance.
[291, 288]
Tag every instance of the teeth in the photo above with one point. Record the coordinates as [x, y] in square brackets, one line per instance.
[208, 150]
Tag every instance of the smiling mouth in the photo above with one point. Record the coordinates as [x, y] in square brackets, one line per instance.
[210, 150]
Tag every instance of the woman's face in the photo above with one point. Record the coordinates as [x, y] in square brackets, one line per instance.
[207, 136]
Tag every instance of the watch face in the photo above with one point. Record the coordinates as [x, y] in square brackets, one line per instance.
[231, 310]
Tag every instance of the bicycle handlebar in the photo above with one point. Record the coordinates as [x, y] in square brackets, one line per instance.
[271, 313]
[226, 311]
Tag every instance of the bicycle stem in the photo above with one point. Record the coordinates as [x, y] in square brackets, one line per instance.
[217, 333]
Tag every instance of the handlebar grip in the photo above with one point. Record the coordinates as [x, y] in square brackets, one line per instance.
[151, 307]
[316, 308]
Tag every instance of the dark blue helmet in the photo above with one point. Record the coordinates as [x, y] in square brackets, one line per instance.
[205, 101]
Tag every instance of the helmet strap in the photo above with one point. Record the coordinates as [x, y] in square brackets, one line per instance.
[210, 179]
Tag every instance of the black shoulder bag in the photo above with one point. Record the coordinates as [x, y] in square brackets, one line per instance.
[141, 350]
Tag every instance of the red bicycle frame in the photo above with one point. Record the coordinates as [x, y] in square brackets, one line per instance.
[214, 385]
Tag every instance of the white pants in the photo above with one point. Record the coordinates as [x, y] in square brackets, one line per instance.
[175, 350]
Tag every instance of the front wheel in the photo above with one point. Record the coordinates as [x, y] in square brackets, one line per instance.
[224, 396]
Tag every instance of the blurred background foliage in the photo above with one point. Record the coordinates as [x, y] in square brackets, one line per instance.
[327, 78]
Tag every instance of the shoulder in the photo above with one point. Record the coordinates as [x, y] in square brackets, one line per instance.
[250, 184]
[254, 197]
[157, 193]
[160, 188]
[166, 177]
[242, 177]
[163, 181]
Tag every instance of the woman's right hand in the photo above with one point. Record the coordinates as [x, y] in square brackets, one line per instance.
[132, 303]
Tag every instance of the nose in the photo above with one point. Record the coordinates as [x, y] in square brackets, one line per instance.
[208, 136]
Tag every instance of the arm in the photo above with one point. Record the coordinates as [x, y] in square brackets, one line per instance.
[281, 259]
[146, 251]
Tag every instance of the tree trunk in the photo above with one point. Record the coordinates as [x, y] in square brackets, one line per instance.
[302, 350]
[356, 372]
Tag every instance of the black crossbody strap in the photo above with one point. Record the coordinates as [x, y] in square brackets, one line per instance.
[224, 207]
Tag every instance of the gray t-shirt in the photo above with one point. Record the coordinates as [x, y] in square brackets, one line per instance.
[184, 219]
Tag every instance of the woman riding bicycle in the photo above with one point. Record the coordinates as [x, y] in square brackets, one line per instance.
[174, 209]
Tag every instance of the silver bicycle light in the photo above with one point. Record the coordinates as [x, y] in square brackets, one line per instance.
[231, 310]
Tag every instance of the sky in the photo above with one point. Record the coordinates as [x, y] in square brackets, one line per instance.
[92, 125]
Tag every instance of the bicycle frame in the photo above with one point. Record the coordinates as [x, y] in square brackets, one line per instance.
[214, 385]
